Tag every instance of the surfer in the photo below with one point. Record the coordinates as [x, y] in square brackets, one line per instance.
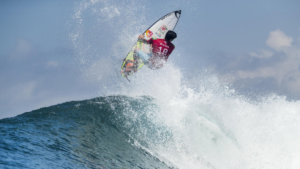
[161, 49]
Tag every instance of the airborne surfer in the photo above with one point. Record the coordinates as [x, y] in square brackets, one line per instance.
[161, 50]
[154, 47]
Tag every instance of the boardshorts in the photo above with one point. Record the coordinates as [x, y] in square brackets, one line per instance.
[145, 57]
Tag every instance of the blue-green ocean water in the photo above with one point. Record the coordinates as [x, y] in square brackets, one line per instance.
[83, 134]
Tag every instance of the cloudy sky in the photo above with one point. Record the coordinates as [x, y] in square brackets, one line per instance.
[51, 51]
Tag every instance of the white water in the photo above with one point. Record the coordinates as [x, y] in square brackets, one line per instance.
[215, 128]
[212, 126]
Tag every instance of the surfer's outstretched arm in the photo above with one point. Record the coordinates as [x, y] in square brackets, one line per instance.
[141, 37]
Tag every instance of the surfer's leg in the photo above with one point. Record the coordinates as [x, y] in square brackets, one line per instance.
[143, 55]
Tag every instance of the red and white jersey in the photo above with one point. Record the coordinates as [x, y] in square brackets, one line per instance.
[161, 49]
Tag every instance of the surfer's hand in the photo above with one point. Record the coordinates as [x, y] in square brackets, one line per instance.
[141, 36]
[136, 49]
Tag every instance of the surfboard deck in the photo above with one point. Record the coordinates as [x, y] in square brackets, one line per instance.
[131, 63]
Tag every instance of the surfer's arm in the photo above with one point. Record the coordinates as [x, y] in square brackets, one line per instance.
[141, 37]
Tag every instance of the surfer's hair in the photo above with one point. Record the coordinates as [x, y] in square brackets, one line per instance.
[170, 35]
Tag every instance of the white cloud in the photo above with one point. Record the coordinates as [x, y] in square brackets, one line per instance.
[277, 39]
[281, 71]
[264, 54]
[284, 68]
[286, 72]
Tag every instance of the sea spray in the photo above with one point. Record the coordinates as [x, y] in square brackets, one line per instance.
[195, 122]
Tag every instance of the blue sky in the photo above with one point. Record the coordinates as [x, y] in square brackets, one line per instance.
[49, 50]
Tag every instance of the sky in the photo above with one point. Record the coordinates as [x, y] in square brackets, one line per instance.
[56, 51]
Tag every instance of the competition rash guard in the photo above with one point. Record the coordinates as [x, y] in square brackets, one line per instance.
[161, 49]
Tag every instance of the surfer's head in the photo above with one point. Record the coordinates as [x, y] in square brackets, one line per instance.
[171, 35]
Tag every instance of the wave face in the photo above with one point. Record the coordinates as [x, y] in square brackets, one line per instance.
[93, 133]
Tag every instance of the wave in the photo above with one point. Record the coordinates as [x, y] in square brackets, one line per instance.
[205, 127]
[93, 133]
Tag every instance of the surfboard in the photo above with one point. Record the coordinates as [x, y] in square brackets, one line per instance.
[131, 64]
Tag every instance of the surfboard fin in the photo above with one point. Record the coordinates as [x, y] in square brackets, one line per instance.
[127, 78]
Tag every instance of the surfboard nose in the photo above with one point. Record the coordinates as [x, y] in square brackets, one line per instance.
[178, 13]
